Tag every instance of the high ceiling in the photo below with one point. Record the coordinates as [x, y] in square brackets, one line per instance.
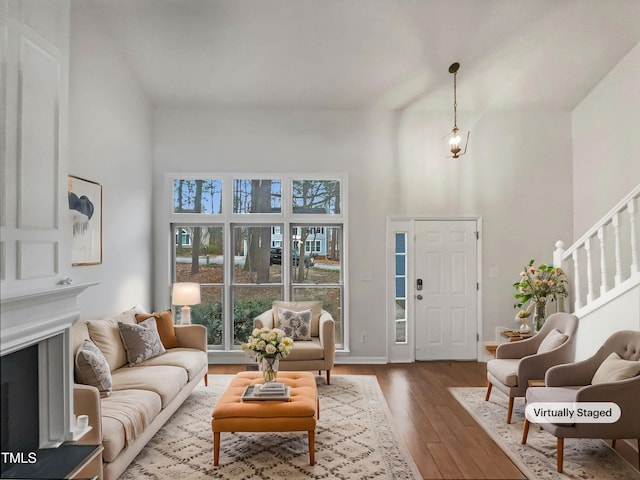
[370, 54]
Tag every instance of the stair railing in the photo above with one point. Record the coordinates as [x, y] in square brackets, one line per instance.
[607, 253]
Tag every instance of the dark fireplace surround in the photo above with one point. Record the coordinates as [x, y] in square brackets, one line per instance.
[36, 397]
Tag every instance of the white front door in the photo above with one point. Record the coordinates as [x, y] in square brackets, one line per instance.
[446, 290]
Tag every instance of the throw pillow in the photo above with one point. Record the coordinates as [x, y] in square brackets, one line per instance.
[615, 368]
[106, 335]
[141, 341]
[296, 325]
[92, 368]
[166, 327]
[316, 311]
[553, 340]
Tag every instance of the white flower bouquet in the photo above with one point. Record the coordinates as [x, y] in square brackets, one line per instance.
[267, 342]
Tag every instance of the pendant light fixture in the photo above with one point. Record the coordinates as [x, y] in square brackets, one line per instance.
[455, 146]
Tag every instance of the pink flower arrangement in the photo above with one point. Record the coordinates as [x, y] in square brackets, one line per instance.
[540, 284]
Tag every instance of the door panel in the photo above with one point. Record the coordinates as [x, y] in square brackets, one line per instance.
[446, 315]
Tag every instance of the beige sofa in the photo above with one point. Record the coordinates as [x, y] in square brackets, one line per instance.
[318, 353]
[142, 397]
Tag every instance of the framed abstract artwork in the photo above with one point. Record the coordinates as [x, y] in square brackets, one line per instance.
[85, 207]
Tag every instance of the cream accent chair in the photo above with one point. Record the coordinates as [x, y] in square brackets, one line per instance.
[572, 383]
[518, 362]
[316, 354]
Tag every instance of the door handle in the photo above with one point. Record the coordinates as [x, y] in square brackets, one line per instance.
[419, 297]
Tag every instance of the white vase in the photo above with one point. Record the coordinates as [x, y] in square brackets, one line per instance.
[524, 328]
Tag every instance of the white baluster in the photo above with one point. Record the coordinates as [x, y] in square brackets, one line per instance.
[603, 264]
[558, 253]
[587, 247]
[576, 279]
[631, 208]
[616, 230]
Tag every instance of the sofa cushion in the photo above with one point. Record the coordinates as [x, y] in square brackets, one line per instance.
[141, 341]
[316, 311]
[614, 368]
[92, 368]
[553, 340]
[307, 350]
[79, 333]
[193, 361]
[166, 327]
[124, 413]
[165, 380]
[505, 370]
[296, 325]
[106, 335]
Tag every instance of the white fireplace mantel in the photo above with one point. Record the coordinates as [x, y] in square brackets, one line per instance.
[32, 315]
[44, 318]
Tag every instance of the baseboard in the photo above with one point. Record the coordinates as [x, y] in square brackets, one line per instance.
[351, 360]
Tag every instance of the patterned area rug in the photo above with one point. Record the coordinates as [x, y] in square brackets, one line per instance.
[583, 458]
[354, 439]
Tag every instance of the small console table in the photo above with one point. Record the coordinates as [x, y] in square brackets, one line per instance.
[514, 335]
[510, 335]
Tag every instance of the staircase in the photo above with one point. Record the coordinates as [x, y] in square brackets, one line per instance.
[603, 268]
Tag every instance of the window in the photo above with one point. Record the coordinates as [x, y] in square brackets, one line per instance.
[200, 258]
[257, 249]
[197, 196]
[319, 275]
[400, 287]
[257, 279]
[313, 246]
[316, 196]
[256, 196]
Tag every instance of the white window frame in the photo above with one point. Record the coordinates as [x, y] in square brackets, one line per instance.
[286, 218]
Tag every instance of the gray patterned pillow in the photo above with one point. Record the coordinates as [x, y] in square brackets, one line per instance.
[296, 325]
[141, 341]
[92, 368]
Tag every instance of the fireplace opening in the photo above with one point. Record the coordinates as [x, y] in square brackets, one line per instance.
[19, 403]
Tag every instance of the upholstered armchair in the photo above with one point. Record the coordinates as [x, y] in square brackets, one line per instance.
[317, 351]
[610, 375]
[518, 362]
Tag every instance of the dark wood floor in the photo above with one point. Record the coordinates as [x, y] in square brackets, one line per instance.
[443, 439]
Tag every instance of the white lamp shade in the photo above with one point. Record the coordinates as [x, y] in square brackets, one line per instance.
[186, 293]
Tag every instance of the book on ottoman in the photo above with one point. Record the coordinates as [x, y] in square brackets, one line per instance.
[278, 391]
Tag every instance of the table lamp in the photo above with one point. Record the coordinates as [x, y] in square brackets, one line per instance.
[185, 294]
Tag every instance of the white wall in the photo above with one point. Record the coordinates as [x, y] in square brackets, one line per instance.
[111, 143]
[606, 164]
[258, 141]
[606, 143]
[516, 176]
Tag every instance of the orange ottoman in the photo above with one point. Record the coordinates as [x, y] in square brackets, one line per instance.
[231, 414]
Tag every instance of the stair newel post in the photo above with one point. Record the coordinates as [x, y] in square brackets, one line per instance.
[558, 262]
[558, 253]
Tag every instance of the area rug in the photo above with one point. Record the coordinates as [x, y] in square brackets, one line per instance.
[583, 458]
[354, 439]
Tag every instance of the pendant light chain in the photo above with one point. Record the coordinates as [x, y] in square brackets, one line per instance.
[455, 102]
